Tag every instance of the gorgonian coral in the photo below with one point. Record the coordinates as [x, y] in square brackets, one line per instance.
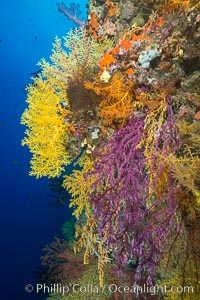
[47, 130]
[135, 222]
[60, 263]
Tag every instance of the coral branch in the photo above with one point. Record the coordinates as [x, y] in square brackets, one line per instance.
[69, 13]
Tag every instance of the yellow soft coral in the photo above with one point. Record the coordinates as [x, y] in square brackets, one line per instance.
[47, 131]
[190, 134]
[179, 267]
[153, 122]
[175, 288]
[171, 5]
[86, 233]
[77, 59]
[88, 238]
[80, 187]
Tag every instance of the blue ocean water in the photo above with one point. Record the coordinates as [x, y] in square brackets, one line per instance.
[27, 224]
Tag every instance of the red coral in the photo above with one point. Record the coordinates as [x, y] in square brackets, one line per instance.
[61, 263]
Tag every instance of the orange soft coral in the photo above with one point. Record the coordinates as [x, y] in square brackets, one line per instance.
[93, 25]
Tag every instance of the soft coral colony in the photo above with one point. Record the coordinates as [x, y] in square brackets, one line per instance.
[122, 95]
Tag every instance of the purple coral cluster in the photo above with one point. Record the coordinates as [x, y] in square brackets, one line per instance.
[133, 228]
[71, 12]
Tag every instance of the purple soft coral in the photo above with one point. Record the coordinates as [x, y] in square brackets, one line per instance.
[71, 12]
[120, 192]
[134, 225]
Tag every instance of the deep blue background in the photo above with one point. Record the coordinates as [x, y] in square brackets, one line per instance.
[27, 224]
